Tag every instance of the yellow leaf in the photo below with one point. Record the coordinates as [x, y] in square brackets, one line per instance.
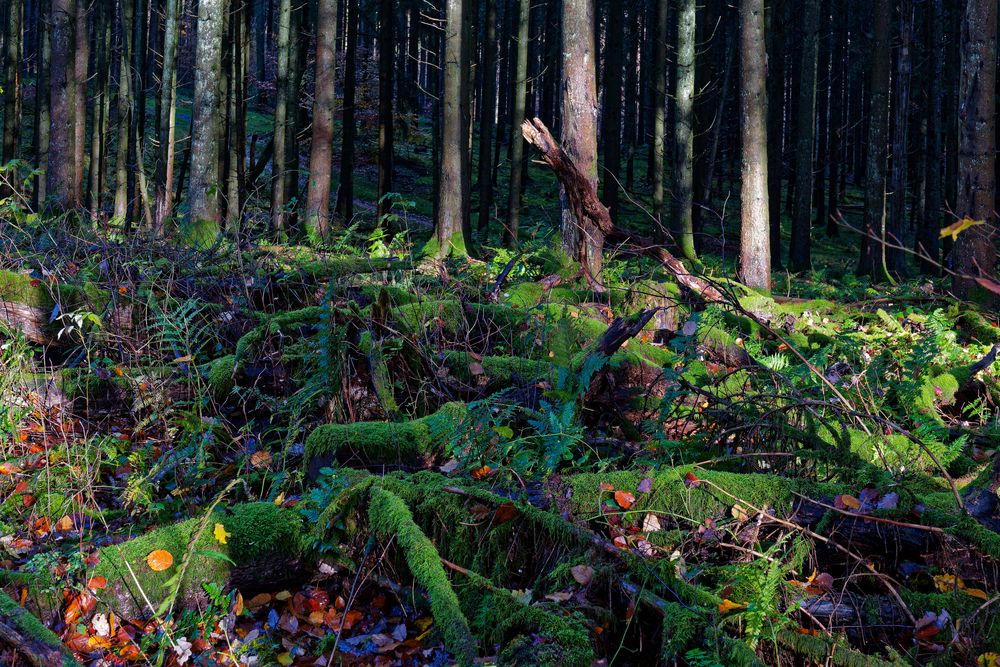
[947, 583]
[159, 560]
[183, 360]
[989, 660]
[221, 534]
[285, 659]
[956, 228]
[728, 605]
[280, 499]
[977, 593]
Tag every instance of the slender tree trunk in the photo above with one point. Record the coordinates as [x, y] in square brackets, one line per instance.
[345, 193]
[517, 115]
[278, 195]
[386, 47]
[167, 122]
[632, 96]
[487, 119]
[659, 92]
[975, 251]
[12, 83]
[81, 57]
[873, 229]
[928, 243]
[612, 117]
[838, 84]
[755, 247]
[321, 151]
[205, 185]
[799, 258]
[775, 127]
[42, 115]
[823, 93]
[895, 230]
[61, 172]
[581, 238]
[122, 210]
[98, 137]
[449, 238]
[684, 129]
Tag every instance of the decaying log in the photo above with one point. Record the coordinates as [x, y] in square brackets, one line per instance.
[587, 205]
[29, 320]
[36, 643]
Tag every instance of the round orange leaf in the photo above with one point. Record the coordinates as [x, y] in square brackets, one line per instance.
[97, 583]
[159, 560]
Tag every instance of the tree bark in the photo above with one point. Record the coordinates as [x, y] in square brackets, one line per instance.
[281, 110]
[800, 256]
[659, 92]
[167, 122]
[42, 108]
[928, 246]
[684, 129]
[775, 128]
[581, 239]
[612, 117]
[386, 48]
[321, 151]
[81, 61]
[345, 191]
[755, 247]
[895, 258]
[62, 133]
[974, 254]
[487, 119]
[517, 115]
[204, 183]
[12, 83]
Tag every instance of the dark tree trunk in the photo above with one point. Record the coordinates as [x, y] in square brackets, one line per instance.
[800, 249]
[487, 119]
[895, 258]
[385, 108]
[928, 245]
[345, 193]
[612, 117]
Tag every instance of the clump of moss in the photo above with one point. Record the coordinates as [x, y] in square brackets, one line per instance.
[30, 626]
[390, 517]
[221, 375]
[382, 442]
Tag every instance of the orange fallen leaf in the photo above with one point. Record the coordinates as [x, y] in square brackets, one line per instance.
[28, 500]
[624, 499]
[9, 468]
[728, 605]
[159, 560]
[480, 473]
[65, 524]
[260, 459]
[604, 486]
[504, 513]
[691, 480]
[97, 583]
[846, 501]
[977, 593]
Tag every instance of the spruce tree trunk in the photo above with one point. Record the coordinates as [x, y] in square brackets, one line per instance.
[487, 119]
[755, 247]
[775, 127]
[98, 137]
[799, 258]
[167, 122]
[659, 92]
[975, 251]
[582, 240]
[612, 117]
[873, 228]
[838, 85]
[321, 151]
[42, 114]
[517, 115]
[345, 193]
[386, 48]
[61, 171]
[281, 110]
[12, 83]
[205, 183]
[684, 129]
[81, 62]
[122, 210]
[896, 228]
[928, 246]
[449, 238]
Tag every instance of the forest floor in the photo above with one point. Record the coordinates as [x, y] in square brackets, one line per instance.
[271, 454]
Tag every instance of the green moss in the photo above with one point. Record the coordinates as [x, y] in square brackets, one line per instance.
[979, 327]
[257, 531]
[382, 442]
[286, 322]
[389, 517]
[221, 375]
[681, 627]
[499, 371]
[29, 626]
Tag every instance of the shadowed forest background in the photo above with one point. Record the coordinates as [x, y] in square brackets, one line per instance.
[564, 332]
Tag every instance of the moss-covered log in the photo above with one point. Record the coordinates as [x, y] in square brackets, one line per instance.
[28, 304]
[35, 642]
[264, 549]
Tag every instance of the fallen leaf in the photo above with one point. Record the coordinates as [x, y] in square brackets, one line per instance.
[977, 593]
[646, 485]
[28, 500]
[728, 605]
[624, 499]
[64, 524]
[845, 501]
[221, 534]
[604, 486]
[480, 473]
[989, 660]
[476, 368]
[159, 560]
[285, 659]
[956, 228]
[260, 459]
[561, 596]
[650, 523]
[947, 583]
[582, 573]
[97, 583]
[504, 513]
[739, 513]
[691, 480]
[9, 468]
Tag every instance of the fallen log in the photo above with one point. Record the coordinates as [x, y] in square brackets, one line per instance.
[587, 205]
[35, 642]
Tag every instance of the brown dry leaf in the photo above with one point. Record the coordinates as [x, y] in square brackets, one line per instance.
[505, 513]
[739, 513]
[977, 593]
[260, 459]
[159, 560]
[64, 524]
[846, 501]
[476, 368]
[604, 486]
[650, 523]
[582, 573]
[691, 480]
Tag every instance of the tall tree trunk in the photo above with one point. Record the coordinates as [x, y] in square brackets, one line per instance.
[775, 127]
[838, 84]
[928, 246]
[684, 129]
[975, 251]
[386, 47]
[873, 228]
[81, 57]
[612, 117]
[321, 151]
[42, 114]
[582, 240]
[12, 83]
[204, 183]
[755, 247]
[122, 209]
[98, 137]
[345, 191]
[62, 133]
[895, 258]
[167, 122]
[659, 92]
[449, 238]
[799, 257]
[517, 115]
[487, 119]
[281, 111]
